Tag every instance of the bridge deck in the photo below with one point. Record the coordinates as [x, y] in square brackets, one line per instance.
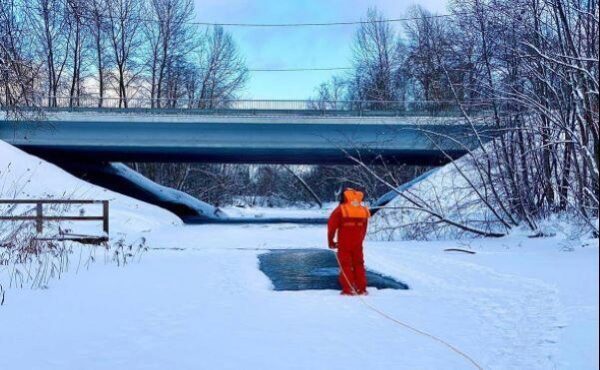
[239, 139]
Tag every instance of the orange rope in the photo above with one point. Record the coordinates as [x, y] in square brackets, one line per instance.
[406, 326]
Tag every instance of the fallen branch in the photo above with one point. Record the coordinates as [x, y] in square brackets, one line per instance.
[458, 250]
[305, 186]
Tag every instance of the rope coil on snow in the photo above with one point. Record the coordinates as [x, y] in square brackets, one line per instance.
[405, 325]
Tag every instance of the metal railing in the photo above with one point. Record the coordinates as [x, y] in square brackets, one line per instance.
[40, 218]
[254, 106]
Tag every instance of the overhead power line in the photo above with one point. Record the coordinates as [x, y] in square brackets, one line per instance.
[298, 69]
[326, 24]
[299, 24]
[336, 68]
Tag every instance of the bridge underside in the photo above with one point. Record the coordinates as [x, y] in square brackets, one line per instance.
[245, 155]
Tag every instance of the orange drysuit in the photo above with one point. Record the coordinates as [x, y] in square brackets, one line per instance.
[349, 220]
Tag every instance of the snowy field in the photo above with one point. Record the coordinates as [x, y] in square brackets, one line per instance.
[197, 299]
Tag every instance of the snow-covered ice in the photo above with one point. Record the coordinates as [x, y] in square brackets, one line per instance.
[203, 303]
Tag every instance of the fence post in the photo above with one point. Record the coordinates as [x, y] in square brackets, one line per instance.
[39, 223]
[105, 216]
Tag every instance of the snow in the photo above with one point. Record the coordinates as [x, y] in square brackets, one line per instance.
[393, 194]
[197, 299]
[279, 212]
[456, 192]
[203, 302]
[23, 176]
[445, 191]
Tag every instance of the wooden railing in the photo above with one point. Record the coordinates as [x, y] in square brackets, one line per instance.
[39, 218]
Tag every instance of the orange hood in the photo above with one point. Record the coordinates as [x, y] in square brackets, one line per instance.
[352, 206]
[353, 196]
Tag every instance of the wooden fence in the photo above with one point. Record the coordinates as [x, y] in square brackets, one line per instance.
[39, 218]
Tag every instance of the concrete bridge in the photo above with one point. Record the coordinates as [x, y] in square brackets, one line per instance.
[240, 139]
[88, 141]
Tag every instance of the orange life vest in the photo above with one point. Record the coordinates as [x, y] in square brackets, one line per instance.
[354, 212]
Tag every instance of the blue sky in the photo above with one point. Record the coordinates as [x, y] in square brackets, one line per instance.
[309, 47]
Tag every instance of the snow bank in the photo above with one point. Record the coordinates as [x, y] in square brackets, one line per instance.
[25, 176]
[457, 192]
[446, 192]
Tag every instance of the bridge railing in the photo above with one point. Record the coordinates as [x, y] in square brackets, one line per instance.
[254, 106]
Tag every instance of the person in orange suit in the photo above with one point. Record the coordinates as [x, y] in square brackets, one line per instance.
[349, 221]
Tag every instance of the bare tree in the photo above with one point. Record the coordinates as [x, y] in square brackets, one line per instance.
[18, 68]
[54, 35]
[96, 15]
[377, 60]
[330, 94]
[172, 40]
[76, 22]
[221, 70]
[526, 69]
[427, 38]
[124, 30]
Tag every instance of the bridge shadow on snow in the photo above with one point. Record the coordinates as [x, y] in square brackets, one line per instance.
[312, 269]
